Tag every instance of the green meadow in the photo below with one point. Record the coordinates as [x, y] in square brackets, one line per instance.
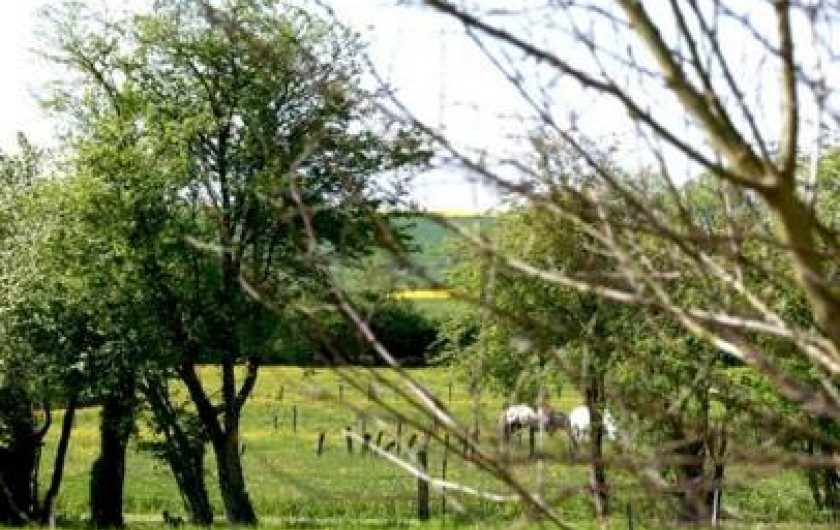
[292, 485]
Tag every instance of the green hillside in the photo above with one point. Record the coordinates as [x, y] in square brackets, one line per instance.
[432, 241]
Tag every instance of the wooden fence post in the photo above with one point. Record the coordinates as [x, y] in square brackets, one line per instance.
[443, 466]
[294, 418]
[319, 448]
[531, 442]
[716, 506]
[349, 439]
[423, 511]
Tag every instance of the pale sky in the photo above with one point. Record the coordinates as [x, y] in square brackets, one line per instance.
[406, 47]
[20, 74]
[445, 80]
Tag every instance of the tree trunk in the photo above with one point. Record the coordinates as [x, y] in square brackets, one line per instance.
[715, 496]
[189, 474]
[60, 456]
[812, 475]
[824, 482]
[694, 507]
[18, 458]
[695, 444]
[238, 507]
[184, 451]
[225, 437]
[108, 471]
[598, 474]
[831, 493]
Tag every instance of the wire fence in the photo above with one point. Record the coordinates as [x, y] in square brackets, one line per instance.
[325, 460]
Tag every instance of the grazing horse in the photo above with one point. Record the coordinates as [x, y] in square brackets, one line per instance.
[579, 424]
[518, 417]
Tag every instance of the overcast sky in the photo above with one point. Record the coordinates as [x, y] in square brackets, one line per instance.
[440, 75]
[426, 58]
[18, 110]
[434, 68]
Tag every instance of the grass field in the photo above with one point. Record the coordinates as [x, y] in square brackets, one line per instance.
[289, 483]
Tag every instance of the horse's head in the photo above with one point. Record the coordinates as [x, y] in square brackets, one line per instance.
[551, 420]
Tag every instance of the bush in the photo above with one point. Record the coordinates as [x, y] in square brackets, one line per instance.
[406, 333]
[409, 335]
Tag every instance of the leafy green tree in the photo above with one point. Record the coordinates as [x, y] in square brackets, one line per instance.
[673, 390]
[532, 337]
[59, 286]
[408, 335]
[231, 141]
[57, 281]
[721, 208]
[78, 304]
[24, 382]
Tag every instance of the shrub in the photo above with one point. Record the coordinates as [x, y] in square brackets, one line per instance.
[406, 333]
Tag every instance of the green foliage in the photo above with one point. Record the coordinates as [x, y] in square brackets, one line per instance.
[408, 335]
[219, 147]
[226, 130]
[212, 148]
[514, 343]
[430, 240]
[421, 251]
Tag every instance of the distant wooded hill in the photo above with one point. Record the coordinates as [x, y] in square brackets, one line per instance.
[432, 246]
[432, 242]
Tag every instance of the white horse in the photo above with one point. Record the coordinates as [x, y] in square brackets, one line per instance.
[518, 417]
[579, 424]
